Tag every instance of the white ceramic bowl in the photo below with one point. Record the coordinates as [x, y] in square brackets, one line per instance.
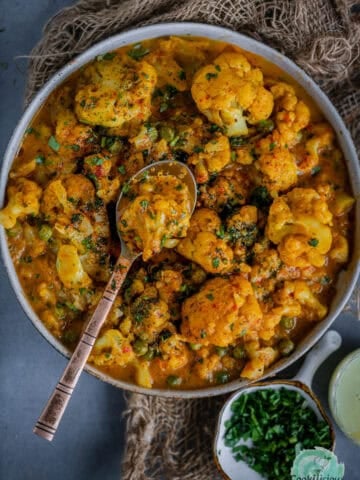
[347, 278]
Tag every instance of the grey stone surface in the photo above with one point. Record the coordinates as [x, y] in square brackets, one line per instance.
[89, 442]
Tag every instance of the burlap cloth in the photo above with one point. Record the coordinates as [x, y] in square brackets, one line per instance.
[171, 439]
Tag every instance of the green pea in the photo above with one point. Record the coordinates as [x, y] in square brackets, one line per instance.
[173, 380]
[45, 232]
[150, 354]
[195, 346]
[140, 347]
[287, 322]
[222, 377]
[152, 133]
[167, 133]
[286, 346]
[239, 352]
[221, 351]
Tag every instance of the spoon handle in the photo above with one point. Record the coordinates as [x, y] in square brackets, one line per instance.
[51, 415]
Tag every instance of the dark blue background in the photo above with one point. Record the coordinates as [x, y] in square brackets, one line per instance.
[89, 442]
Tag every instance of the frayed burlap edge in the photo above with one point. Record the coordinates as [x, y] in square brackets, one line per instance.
[172, 438]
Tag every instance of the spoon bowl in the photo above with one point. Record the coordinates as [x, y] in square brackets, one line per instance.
[164, 167]
[50, 417]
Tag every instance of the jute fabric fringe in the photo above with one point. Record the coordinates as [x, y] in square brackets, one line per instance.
[172, 439]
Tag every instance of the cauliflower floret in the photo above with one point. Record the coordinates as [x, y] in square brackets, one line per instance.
[107, 184]
[259, 360]
[112, 348]
[66, 195]
[322, 138]
[23, 199]
[149, 314]
[70, 269]
[241, 226]
[299, 223]
[75, 139]
[278, 169]
[169, 284]
[201, 245]
[231, 188]
[168, 70]
[174, 352]
[214, 157]
[292, 114]
[222, 311]
[226, 88]
[115, 92]
[163, 203]
[298, 291]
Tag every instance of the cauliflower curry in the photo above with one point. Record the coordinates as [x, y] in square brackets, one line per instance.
[271, 230]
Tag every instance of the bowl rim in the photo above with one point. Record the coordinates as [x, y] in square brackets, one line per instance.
[248, 44]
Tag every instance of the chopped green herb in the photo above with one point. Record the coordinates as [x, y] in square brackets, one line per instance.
[76, 217]
[222, 377]
[272, 146]
[95, 161]
[138, 52]
[203, 334]
[173, 380]
[210, 75]
[198, 149]
[74, 147]
[313, 242]
[144, 204]
[122, 170]
[45, 232]
[325, 280]
[214, 128]
[238, 141]
[315, 170]
[54, 144]
[260, 197]
[210, 296]
[265, 126]
[221, 232]
[88, 243]
[40, 159]
[163, 240]
[216, 262]
[221, 351]
[106, 56]
[182, 75]
[218, 68]
[278, 423]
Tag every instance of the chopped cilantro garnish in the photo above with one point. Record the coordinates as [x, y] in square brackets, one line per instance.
[182, 75]
[106, 56]
[122, 170]
[138, 51]
[210, 75]
[313, 242]
[216, 262]
[54, 144]
[315, 170]
[40, 159]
